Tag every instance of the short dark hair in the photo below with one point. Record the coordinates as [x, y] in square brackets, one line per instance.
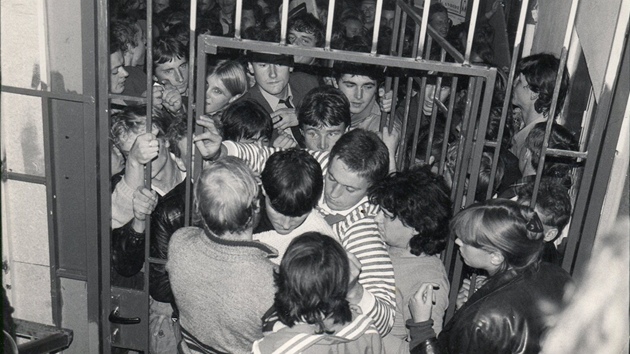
[436, 8]
[552, 201]
[324, 106]
[364, 153]
[560, 138]
[293, 182]
[312, 282]
[245, 119]
[421, 200]
[133, 118]
[540, 71]
[166, 49]
[341, 68]
[308, 23]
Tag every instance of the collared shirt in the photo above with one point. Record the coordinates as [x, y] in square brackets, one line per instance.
[274, 101]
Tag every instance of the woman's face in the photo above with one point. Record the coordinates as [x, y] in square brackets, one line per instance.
[217, 96]
[521, 93]
[477, 257]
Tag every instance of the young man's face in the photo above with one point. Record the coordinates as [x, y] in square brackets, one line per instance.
[387, 18]
[368, 8]
[273, 78]
[343, 188]
[283, 224]
[302, 39]
[360, 90]
[394, 232]
[441, 23]
[353, 28]
[174, 72]
[521, 93]
[117, 74]
[322, 138]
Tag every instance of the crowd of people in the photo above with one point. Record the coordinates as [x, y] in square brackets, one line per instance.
[306, 236]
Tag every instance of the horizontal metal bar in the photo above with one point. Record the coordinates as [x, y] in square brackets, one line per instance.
[213, 42]
[154, 260]
[64, 96]
[552, 152]
[71, 274]
[15, 176]
[129, 98]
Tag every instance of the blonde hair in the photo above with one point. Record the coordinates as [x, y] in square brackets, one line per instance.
[226, 197]
[500, 225]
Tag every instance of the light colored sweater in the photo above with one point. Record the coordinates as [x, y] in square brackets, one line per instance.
[221, 287]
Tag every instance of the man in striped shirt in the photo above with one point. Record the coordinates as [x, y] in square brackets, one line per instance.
[357, 161]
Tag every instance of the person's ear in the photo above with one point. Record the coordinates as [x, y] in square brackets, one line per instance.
[250, 68]
[533, 96]
[551, 234]
[496, 258]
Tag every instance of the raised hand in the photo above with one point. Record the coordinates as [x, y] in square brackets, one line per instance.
[209, 142]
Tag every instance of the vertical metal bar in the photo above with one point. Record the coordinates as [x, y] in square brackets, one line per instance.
[237, 18]
[403, 133]
[449, 121]
[104, 191]
[329, 23]
[482, 127]
[423, 28]
[284, 19]
[403, 31]
[471, 31]
[397, 31]
[51, 196]
[416, 131]
[377, 25]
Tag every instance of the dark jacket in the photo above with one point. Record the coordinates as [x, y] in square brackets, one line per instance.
[503, 316]
[128, 245]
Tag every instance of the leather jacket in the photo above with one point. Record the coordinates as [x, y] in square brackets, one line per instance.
[503, 316]
[128, 245]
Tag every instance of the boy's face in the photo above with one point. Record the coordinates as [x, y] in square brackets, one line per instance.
[273, 78]
[343, 188]
[441, 23]
[387, 18]
[302, 39]
[360, 91]
[174, 72]
[353, 28]
[322, 138]
[368, 8]
[117, 74]
[283, 224]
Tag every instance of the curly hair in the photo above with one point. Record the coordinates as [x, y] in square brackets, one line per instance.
[420, 199]
[540, 71]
